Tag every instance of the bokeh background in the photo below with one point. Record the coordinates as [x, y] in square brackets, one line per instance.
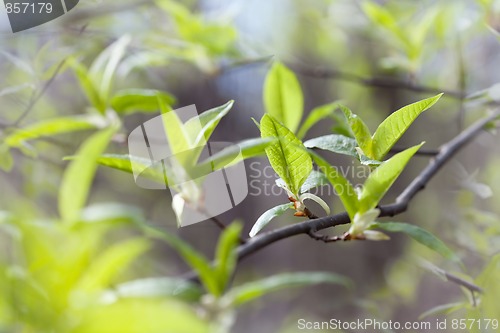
[374, 62]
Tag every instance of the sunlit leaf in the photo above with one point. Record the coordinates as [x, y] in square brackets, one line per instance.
[394, 126]
[382, 178]
[77, 178]
[225, 255]
[283, 96]
[51, 127]
[287, 156]
[268, 215]
[360, 131]
[139, 100]
[159, 287]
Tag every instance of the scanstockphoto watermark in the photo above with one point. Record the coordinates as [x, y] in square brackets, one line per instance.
[262, 179]
[26, 14]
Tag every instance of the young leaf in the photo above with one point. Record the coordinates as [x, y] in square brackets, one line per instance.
[444, 309]
[230, 155]
[360, 131]
[283, 96]
[87, 85]
[77, 178]
[420, 235]
[315, 116]
[254, 290]
[268, 215]
[287, 156]
[208, 121]
[335, 143]
[382, 178]
[139, 100]
[341, 185]
[225, 254]
[394, 126]
[195, 259]
[52, 127]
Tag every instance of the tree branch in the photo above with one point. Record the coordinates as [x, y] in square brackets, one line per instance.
[310, 227]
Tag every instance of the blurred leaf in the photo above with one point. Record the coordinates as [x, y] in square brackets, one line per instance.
[52, 127]
[141, 315]
[317, 114]
[105, 268]
[394, 126]
[342, 186]
[225, 255]
[287, 156]
[488, 280]
[256, 289]
[229, 156]
[360, 131]
[382, 178]
[111, 213]
[77, 178]
[128, 163]
[158, 288]
[444, 309]
[195, 259]
[139, 100]
[420, 235]
[6, 160]
[103, 69]
[87, 85]
[315, 179]
[283, 96]
[208, 121]
[335, 143]
[268, 215]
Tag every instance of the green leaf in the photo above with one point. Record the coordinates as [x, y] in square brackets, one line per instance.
[110, 263]
[226, 255]
[268, 215]
[111, 213]
[103, 69]
[52, 127]
[287, 156]
[87, 85]
[230, 155]
[158, 288]
[317, 114]
[335, 143]
[342, 186]
[6, 160]
[359, 130]
[200, 128]
[132, 315]
[420, 235]
[196, 260]
[394, 126]
[77, 178]
[444, 309]
[130, 163]
[140, 100]
[283, 96]
[315, 179]
[382, 178]
[256, 289]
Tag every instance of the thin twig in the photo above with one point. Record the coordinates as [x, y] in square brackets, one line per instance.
[37, 97]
